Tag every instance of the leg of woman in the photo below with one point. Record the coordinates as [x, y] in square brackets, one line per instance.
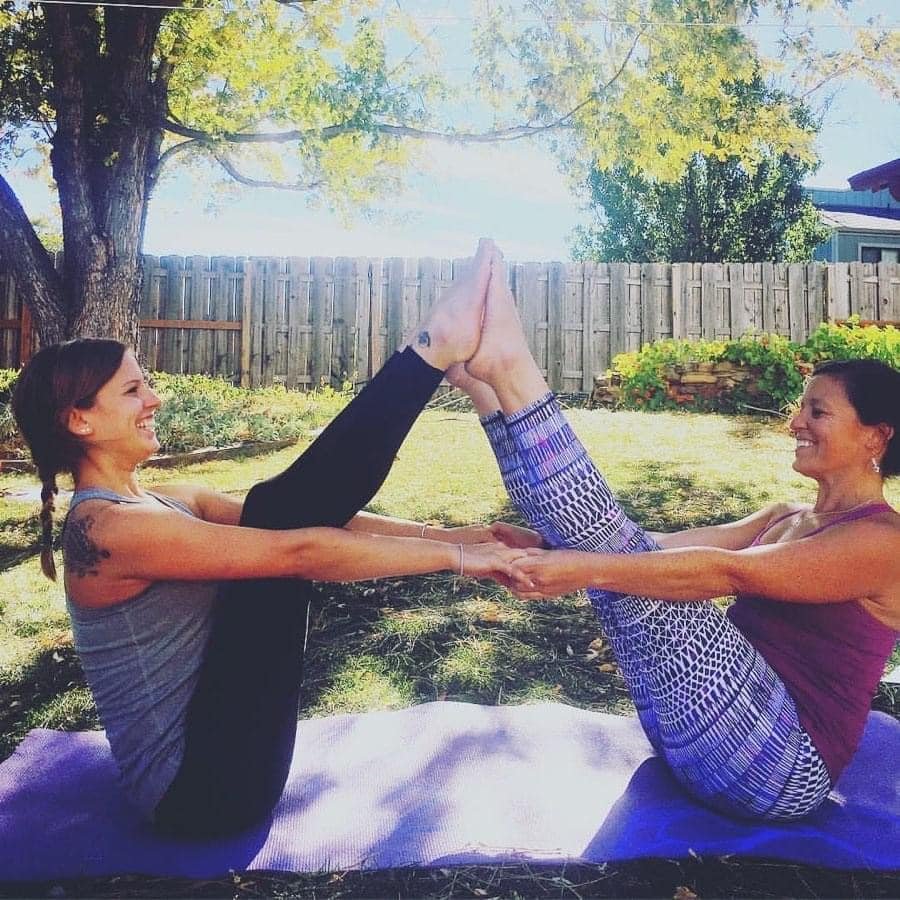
[515, 479]
[724, 720]
[243, 715]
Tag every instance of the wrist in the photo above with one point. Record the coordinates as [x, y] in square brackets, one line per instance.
[451, 556]
[471, 534]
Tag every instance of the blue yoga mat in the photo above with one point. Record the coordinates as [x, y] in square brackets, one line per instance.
[434, 785]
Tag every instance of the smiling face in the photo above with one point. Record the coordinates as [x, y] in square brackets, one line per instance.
[120, 420]
[830, 436]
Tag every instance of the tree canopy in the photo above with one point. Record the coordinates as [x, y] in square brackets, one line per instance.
[718, 212]
[721, 209]
[335, 98]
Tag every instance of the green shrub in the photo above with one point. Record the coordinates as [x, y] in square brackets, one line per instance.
[780, 379]
[10, 442]
[7, 382]
[779, 365]
[199, 411]
[643, 372]
[852, 341]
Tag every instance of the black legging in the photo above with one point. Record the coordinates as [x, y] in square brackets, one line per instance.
[242, 718]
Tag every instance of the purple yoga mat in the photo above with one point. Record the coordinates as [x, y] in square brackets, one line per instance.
[433, 785]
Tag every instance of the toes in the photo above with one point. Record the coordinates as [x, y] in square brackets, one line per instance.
[486, 247]
[498, 269]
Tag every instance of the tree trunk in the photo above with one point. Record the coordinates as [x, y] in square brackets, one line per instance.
[109, 303]
[109, 114]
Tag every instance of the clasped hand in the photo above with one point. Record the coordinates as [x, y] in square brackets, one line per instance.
[543, 574]
[531, 573]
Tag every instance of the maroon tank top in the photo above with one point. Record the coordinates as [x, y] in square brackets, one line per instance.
[830, 657]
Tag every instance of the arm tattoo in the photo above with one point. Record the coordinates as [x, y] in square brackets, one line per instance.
[82, 555]
[424, 339]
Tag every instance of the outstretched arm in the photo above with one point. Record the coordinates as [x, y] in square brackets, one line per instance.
[113, 552]
[511, 535]
[857, 561]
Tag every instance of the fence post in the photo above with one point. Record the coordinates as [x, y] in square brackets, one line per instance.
[245, 324]
[26, 335]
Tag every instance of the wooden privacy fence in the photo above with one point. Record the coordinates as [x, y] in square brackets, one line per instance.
[300, 321]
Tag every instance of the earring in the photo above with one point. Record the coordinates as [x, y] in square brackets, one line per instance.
[875, 467]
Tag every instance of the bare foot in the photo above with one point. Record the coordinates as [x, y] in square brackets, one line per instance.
[503, 343]
[503, 359]
[451, 332]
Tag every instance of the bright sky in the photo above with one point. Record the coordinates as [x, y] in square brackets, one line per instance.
[512, 192]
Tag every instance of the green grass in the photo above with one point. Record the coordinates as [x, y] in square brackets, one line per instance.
[390, 643]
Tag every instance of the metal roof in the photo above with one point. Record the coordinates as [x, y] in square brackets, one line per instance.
[853, 221]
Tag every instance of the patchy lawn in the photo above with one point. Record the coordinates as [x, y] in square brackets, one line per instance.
[395, 642]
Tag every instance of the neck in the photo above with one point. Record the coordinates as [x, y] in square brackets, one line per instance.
[108, 474]
[834, 497]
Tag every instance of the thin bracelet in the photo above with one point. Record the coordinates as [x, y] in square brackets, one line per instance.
[461, 558]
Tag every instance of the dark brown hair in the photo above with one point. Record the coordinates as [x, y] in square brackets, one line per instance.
[58, 379]
[873, 389]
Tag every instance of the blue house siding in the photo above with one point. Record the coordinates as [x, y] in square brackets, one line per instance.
[847, 246]
[865, 225]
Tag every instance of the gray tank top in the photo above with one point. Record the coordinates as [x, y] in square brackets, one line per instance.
[141, 658]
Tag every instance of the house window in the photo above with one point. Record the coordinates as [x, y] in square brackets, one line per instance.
[879, 254]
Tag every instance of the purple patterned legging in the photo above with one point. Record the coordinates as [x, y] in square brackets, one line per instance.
[708, 701]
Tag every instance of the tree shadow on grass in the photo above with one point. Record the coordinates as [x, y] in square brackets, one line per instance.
[441, 637]
[19, 534]
[472, 641]
[663, 497]
[35, 695]
[754, 430]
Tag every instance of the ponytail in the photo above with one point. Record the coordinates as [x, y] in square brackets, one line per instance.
[49, 490]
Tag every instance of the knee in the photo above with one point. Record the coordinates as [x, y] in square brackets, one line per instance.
[262, 507]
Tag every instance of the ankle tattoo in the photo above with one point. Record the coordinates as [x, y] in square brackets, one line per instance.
[423, 339]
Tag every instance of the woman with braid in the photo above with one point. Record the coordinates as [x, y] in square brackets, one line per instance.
[756, 711]
[190, 629]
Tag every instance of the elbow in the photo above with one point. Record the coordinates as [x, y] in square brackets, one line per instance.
[295, 553]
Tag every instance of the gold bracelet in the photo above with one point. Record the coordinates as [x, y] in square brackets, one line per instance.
[461, 560]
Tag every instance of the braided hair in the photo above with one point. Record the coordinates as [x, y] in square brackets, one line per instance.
[59, 378]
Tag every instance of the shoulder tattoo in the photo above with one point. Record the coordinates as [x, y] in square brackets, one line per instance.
[424, 339]
[80, 551]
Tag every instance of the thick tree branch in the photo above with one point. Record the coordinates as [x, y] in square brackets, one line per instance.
[75, 49]
[407, 131]
[136, 106]
[25, 256]
[332, 131]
